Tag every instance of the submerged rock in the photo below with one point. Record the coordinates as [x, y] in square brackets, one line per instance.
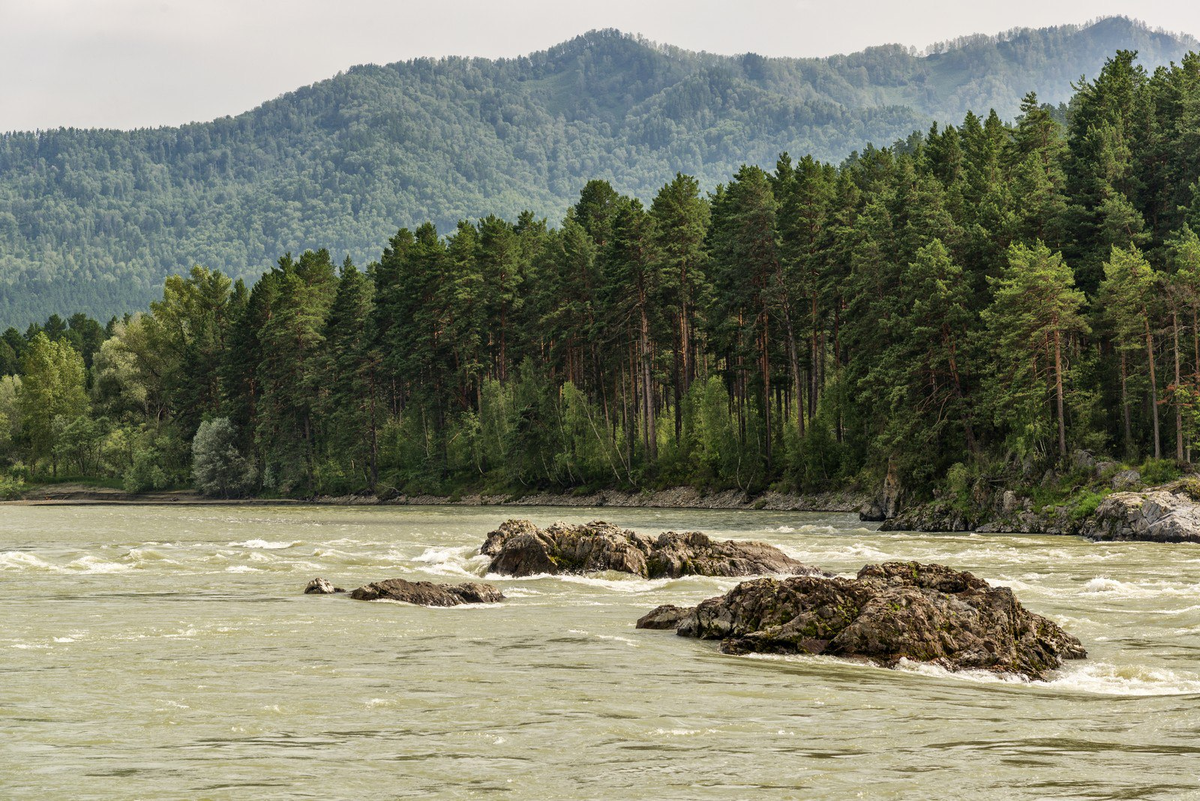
[893, 611]
[519, 548]
[1161, 514]
[667, 616]
[426, 593]
[320, 586]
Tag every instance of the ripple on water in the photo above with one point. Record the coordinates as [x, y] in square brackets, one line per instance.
[268, 545]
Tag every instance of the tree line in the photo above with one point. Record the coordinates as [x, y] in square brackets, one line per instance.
[986, 296]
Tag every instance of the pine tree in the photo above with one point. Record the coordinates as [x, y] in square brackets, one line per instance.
[1034, 315]
[1128, 289]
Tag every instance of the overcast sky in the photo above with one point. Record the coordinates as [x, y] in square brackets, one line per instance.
[131, 63]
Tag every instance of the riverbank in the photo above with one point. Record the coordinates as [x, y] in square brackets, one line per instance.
[675, 498]
[1165, 513]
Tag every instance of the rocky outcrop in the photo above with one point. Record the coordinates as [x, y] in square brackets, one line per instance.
[1126, 480]
[320, 586]
[936, 516]
[426, 593]
[1168, 513]
[893, 611]
[519, 548]
[1162, 514]
[667, 616]
[886, 504]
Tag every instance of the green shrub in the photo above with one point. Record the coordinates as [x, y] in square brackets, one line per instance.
[145, 474]
[1087, 503]
[1159, 471]
[11, 488]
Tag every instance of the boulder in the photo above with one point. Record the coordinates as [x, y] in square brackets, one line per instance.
[1126, 479]
[886, 504]
[320, 586]
[666, 616]
[426, 593]
[519, 548]
[889, 612]
[1161, 514]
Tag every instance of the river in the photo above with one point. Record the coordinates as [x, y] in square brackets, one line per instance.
[169, 653]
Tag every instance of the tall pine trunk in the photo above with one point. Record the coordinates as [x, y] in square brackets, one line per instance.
[1125, 404]
[1058, 392]
[649, 433]
[1178, 410]
[1153, 385]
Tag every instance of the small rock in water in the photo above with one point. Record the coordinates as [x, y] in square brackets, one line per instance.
[666, 616]
[426, 593]
[519, 548]
[320, 586]
[893, 611]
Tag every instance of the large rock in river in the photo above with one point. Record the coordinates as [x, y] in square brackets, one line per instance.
[519, 548]
[893, 611]
[426, 593]
[667, 616]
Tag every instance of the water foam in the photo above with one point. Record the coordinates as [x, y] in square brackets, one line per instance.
[21, 560]
[1103, 585]
[94, 564]
[683, 732]
[1094, 678]
[267, 545]
[452, 561]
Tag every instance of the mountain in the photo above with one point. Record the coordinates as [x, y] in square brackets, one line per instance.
[92, 220]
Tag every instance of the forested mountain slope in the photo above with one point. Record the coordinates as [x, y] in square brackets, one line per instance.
[93, 220]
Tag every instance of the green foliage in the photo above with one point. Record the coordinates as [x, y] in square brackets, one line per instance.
[52, 394]
[1159, 471]
[145, 473]
[1086, 504]
[218, 468]
[11, 488]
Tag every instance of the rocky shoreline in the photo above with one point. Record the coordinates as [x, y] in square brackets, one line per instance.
[1167, 513]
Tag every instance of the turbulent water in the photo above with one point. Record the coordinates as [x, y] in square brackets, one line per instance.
[156, 652]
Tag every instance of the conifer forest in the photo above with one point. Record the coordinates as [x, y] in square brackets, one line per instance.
[985, 298]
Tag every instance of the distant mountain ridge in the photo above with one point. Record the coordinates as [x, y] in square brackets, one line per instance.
[92, 220]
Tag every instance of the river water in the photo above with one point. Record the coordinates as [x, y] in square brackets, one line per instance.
[167, 652]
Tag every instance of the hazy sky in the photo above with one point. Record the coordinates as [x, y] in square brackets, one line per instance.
[131, 63]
